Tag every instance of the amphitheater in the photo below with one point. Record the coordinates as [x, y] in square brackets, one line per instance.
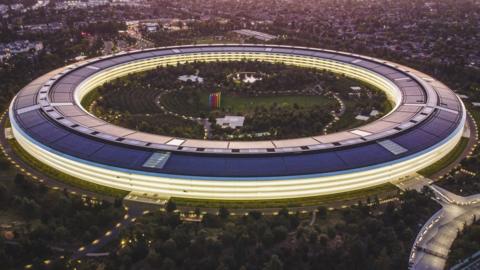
[426, 123]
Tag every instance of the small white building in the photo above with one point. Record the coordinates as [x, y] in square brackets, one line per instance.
[356, 88]
[80, 57]
[191, 78]
[362, 117]
[151, 27]
[251, 79]
[374, 113]
[255, 34]
[231, 121]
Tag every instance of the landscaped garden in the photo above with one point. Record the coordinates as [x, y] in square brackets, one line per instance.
[465, 245]
[277, 101]
[358, 237]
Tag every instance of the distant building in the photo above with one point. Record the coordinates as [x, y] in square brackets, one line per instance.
[3, 56]
[19, 46]
[133, 23]
[80, 58]
[175, 26]
[81, 4]
[231, 121]
[43, 28]
[356, 88]
[191, 78]
[251, 79]
[131, 3]
[374, 113]
[3, 9]
[362, 117]
[255, 34]
[16, 6]
[151, 27]
[70, 5]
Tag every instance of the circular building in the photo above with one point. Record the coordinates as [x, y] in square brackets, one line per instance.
[49, 122]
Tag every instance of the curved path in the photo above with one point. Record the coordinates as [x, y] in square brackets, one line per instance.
[432, 245]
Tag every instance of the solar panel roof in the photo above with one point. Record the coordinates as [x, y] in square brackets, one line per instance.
[340, 151]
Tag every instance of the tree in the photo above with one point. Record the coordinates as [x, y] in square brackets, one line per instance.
[3, 195]
[255, 215]
[383, 261]
[20, 181]
[210, 220]
[283, 212]
[427, 191]
[118, 202]
[268, 238]
[170, 206]
[169, 248]
[168, 264]
[154, 259]
[274, 263]
[61, 233]
[322, 212]
[223, 212]
[4, 165]
[280, 233]
[139, 249]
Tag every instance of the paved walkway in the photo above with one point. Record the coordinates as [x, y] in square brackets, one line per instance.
[432, 245]
[93, 248]
[433, 242]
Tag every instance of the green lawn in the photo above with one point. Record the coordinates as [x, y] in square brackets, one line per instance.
[245, 105]
[446, 160]
[387, 189]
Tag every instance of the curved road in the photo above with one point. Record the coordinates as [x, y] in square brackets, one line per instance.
[432, 245]
[431, 248]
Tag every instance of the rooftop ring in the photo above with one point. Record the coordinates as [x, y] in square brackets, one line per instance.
[426, 123]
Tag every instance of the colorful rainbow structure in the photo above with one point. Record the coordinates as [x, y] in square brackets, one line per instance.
[214, 100]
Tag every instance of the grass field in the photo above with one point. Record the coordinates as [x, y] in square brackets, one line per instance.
[245, 105]
[445, 161]
[388, 190]
[63, 177]
[242, 105]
